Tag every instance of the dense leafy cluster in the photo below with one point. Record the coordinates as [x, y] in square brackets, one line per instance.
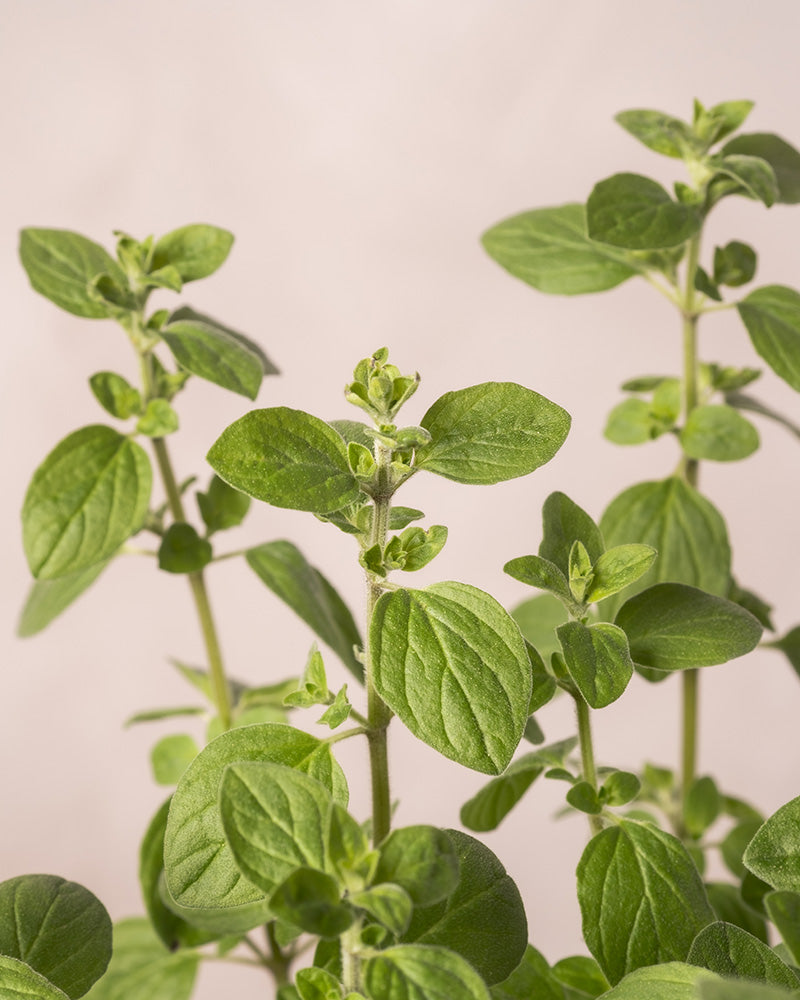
[256, 835]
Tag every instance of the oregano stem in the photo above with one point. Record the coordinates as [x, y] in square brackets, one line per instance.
[216, 668]
[378, 714]
[588, 766]
[690, 472]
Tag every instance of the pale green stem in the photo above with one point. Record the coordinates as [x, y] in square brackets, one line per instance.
[378, 714]
[219, 684]
[689, 468]
[587, 753]
[351, 960]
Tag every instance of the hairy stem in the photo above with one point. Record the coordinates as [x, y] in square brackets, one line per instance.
[378, 714]
[587, 753]
[219, 684]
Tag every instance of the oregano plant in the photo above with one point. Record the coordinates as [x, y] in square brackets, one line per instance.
[255, 857]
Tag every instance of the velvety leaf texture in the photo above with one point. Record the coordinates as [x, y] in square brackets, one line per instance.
[211, 354]
[772, 317]
[87, 497]
[636, 213]
[195, 251]
[416, 972]
[60, 264]
[641, 897]
[201, 874]
[491, 432]
[732, 952]
[18, 981]
[58, 928]
[548, 249]
[287, 458]
[783, 158]
[668, 981]
[774, 852]
[452, 665]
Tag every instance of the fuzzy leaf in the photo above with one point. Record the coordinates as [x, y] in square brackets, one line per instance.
[195, 251]
[598, 660]
[718, 433]
[416, 972]
[783, 158]
[636, 213]
[732, 952]
[774, 852]
[209, 353]
[772, 317]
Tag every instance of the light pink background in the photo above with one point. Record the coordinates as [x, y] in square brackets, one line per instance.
[357, 150]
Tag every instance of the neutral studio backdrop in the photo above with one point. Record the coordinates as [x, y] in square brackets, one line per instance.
[358, 150]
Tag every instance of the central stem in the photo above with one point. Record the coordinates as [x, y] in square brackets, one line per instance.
[587, 753]
[378, 714]
[219, 684]
[689, 469]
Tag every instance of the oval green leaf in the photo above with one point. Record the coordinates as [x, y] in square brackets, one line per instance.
[783, 158]
[195, 251]
[287, 458]
[774, 852]
[47, 599]
[668, 981]
[772, 317]
[641, 897]
[451, 664]
[598, 660]
[202, 877]
[636, 213]
[548, 249]
[754, 175]
[87, 497]
[61, 264]
[673, 627]
[618, 568]
[58, 928]
[719, 433]
[211, 354]
[488, 808]
[483, 920]
[658, 131]
[491, 432]
[18, 981]
[422, 860]
[733, 953]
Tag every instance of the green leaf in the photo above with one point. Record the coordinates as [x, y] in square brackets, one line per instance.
[734, 264]
[641, 898]
[564, 523]
[783, 908]
[673, 627]
[618, 568]
[658, 131]
[287, 458]
[316, 984]
[667, 981]
[731, 989]
[47, 599]
[116, 395]
[483, 920]
[548, 249]
[488, 808]
[685, 529]
[58, 928]
[704, 284]
[422, 860]
[171, 756]
[86, 498]
[285, 570]
[632, 422]
[735, 843]
[416, 972]
[741, 401]
[772, 317]
[583, 796]
[774, 852]
[728, 905]
[598, 660]
[338, 710]
[221, 506]
[182, 550]
[202, 878]
[211, 354]
[538, 572]
[718, 432]
[538, 619]
[142, 969]
[173, 931]
[582, 976]
[783, 158]
[701, 806]
[19, 982]
[194, 251]
[636, 213]
[60, 264]
[311, 900]
[451, 664]
[186, 313]
[389, 904]
[731, 952]
[620, 788]
[752, 173]
[158, 420]
[533, 977]
[275, 820]
[722, 119]
[491, 432]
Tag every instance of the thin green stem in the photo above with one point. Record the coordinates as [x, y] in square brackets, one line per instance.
[278, 962]
[690, 472]
[587, 753]
[378, 714]
[219, 684]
